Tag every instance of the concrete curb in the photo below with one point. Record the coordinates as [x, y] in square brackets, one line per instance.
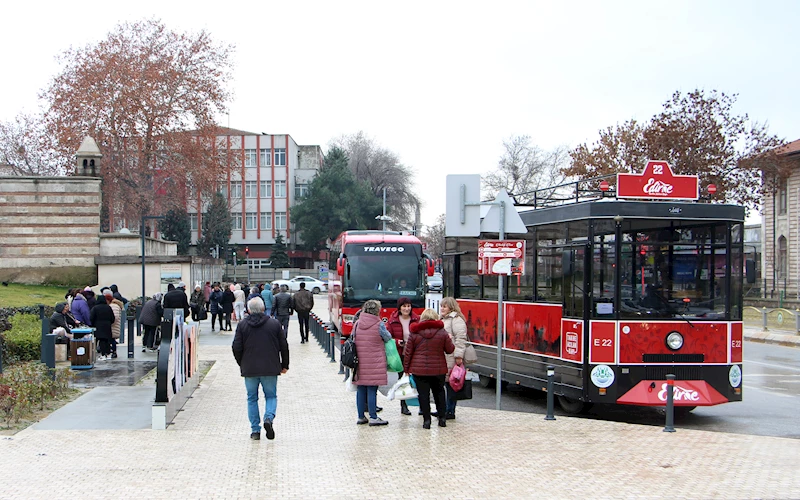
[783, 338]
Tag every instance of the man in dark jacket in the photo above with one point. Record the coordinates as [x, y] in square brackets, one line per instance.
[176, 299]
[61, 318]
[282, 308]
[150, 319]
[262, 354]
[303, 304]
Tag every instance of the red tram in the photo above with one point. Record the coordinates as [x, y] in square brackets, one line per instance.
[623, 291]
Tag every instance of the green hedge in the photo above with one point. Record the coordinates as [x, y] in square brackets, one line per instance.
[23, 342]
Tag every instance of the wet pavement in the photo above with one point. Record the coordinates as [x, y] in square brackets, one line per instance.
[113, 373]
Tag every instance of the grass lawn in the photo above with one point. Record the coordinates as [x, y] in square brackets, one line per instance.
[15, 295]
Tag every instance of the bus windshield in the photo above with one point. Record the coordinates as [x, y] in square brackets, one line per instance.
[384, 276]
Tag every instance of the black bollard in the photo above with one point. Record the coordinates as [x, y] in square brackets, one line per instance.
[551, 375]
[49, 350]
[333, 345]
[45, 329]
[131, 337]
[670, 425]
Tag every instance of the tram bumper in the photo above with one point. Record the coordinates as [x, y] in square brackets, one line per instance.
[685, 393]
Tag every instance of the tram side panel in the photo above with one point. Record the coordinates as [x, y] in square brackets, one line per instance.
[536, 336]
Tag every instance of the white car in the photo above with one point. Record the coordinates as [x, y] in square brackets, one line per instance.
[312, 284]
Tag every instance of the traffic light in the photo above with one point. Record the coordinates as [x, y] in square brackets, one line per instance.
[246, 252]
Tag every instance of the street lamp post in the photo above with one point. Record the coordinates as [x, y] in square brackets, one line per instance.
[145, 218]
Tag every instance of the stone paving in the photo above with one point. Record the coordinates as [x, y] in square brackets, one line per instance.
[320, 452]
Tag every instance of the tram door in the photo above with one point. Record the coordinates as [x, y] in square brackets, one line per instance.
[575, 281]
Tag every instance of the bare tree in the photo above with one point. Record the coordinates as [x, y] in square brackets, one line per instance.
[697, 133]
[26, 146]
[524, 168]
[139, 92]
[434, 237]
[382, 168]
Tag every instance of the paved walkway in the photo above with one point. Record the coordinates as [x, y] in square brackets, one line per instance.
[320, 452]
[781, 337]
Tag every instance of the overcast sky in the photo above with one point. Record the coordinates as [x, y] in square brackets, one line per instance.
[442, 84]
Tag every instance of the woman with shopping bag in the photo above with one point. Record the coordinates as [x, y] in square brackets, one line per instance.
[456, 326]
[424, 359]
[370, 334]
[398, 325]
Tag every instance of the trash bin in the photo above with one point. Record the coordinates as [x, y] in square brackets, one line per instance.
[82, 349]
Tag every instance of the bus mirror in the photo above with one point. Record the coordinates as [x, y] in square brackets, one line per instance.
[566, 263]
[340, 263]
[750, 271]
[429, 266]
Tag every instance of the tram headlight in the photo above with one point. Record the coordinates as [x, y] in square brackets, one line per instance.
[674, 341]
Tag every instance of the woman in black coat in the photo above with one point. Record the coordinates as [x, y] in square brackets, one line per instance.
[102, 317]
[227, 307]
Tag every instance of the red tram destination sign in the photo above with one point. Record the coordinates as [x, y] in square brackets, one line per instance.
[658, 182]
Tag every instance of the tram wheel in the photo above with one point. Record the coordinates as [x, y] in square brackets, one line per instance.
[573, 406]
[487, 382]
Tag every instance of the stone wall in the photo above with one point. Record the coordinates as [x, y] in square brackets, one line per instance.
[49, 229]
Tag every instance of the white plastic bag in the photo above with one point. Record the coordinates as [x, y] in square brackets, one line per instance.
[349, 386]
[402, 390]
[391, 379]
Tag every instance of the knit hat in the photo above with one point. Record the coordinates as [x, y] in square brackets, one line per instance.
[402, 301]
[181, 285]
[87, 289]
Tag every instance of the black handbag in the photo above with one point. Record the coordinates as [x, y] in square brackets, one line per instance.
[465, 392]
[349, 355]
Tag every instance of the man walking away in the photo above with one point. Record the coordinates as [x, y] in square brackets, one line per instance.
[282, 308]
[262, 354]
[177, 299]
[303, 304]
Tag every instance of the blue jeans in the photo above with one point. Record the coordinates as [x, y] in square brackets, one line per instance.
[269, 385]
[366, 397]
[451, 398]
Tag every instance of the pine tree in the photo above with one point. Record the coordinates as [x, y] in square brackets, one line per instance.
[176, 226]
[336, 202]
[217, 227]
[279, 256]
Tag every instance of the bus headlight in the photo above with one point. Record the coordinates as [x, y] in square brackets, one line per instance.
[674, 341]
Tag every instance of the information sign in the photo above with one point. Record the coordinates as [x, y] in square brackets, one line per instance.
[505, 257]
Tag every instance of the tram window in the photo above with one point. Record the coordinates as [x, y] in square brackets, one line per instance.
[521, 287]
[737, 282]
[489, 288]
[675, 274]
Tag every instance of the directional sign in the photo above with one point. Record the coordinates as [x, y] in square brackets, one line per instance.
[505, 257]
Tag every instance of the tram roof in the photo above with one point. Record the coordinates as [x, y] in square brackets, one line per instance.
[633, 209]
[366, 237]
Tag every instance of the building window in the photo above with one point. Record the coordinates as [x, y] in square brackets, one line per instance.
[236, 189]
[251, 189]
[193, 219]
[782, 198]
[250, 221]
[266, 189]
[300, 190]
[280, 157]
[266, 220]
[280, 189]
[236, 220]
[266, 158]
[223, 190]
[250, 158]
[191, 192]
[280, 221]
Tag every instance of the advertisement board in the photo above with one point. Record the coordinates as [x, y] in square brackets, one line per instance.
[505, 257]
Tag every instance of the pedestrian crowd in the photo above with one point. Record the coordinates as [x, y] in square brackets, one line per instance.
[430, 344]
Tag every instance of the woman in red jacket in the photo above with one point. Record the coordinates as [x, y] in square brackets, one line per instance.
[424, 359]
[398, 325]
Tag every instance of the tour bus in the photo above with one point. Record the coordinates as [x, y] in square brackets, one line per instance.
[626, 282]
[380, 265]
